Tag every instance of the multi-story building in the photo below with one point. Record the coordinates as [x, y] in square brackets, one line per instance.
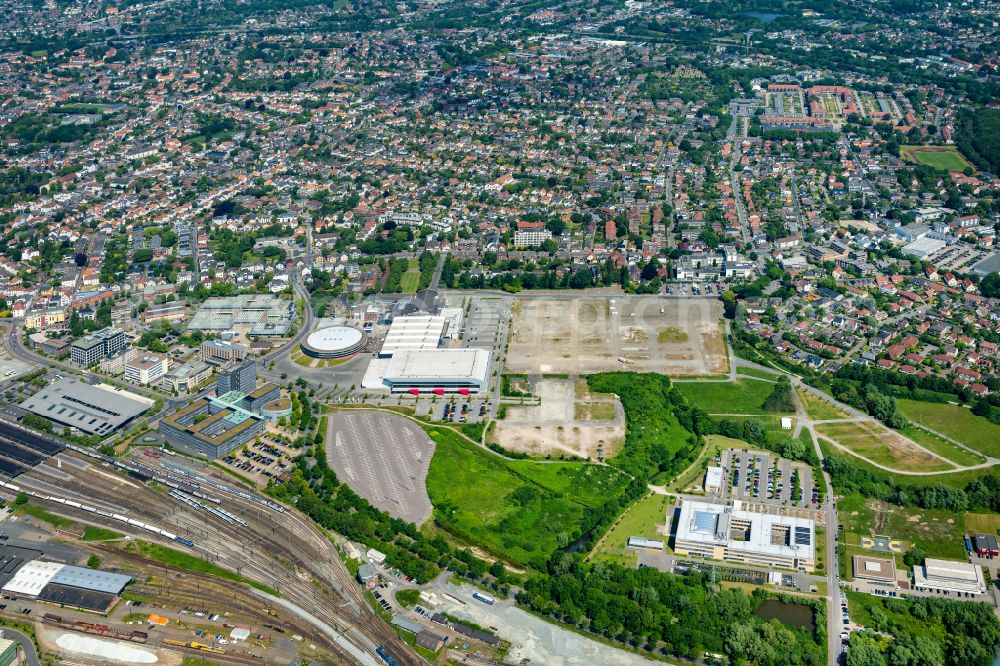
[531, 237]
[97, 346]
[216, 351]
[211, 427]
[241, 377]
[146, 369]
[186, 377]
[724, 532]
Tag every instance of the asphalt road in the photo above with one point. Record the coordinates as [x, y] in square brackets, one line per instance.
[30, 656]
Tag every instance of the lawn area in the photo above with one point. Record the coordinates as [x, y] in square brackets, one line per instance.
[744, 396]
[181, 560]
[694, 475]
[956, 422]
[581, 482]
[641, 519]
[671, 334]
[520, 510]
[939, 157]
[756, 372]
[982, 523]
[936, 531]
[93, 533]
[882, 446]
[817, 409]
[38, 513]
[411, 278]
[594, 411]
[772, 426]
[942, 447]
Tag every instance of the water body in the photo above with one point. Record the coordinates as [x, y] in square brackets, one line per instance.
[795, 615]
[763, 17]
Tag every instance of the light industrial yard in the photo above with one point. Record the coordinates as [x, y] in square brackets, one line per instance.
[568, 420]
[578, 336]
[384, 458]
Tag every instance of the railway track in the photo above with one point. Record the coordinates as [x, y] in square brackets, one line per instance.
[275, 549]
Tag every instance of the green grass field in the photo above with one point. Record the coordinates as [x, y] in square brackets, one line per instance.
[938, 532]
[942, 447]
[756, 372]
[410, 281]
[939, 157]
[181, 560]
[819, 410]
[956, 422]
[38, 513]
[519, 510]
[744, 396]
[100, 534]
[641, 519]
[772, 426]
[882, 446]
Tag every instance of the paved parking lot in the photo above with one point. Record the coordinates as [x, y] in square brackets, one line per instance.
[483, 322]
[762, 477]
[384, 458]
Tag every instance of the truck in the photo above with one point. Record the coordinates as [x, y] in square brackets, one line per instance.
[486, 599]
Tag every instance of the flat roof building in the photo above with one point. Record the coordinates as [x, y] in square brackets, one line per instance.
[144, 370]
[214, 351]
[724, 532]
[430, 371]
[263, 312]
[877, 569]
[948, 576]
[713, 479]
[89, 409]
[413, 332]
[211, 427]
[97, 346]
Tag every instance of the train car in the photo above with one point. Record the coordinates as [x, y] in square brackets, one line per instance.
[169, 535]
[118, 516]
[386, 657]
[73, 503]
[88, 509]
[133, 521]
[186, 542]
[485, 598]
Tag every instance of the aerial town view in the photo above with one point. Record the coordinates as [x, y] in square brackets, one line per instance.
[539, 333]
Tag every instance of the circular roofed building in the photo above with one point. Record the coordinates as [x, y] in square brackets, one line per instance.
[334, 342]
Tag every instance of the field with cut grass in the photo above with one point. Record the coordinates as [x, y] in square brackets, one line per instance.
[756, 372]
[410, 281]
[939, 157]
[882, 446]
[641, 519]
[942, 447]
[818, 409]
[956, 422]
[744, 396]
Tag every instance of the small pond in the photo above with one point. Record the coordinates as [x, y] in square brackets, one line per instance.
[795, 615]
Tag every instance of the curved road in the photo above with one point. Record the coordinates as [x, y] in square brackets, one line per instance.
[30, 656]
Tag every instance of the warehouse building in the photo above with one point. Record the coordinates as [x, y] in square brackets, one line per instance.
[211, 427]
[986, 544]
[413, 333]
[724, 532]
[947, 576]
[66, 585]
[441, 371]
[713, 479]
[90, 409]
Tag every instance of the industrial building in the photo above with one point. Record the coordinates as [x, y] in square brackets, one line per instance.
[212, 427]
[441, 371]
[94, 410]
[413, 332]
[97, 346]
[66, 585]
[8, 652]
[643, 542]
[266, 314]
[726, 532]
[948, 576]
[986, 544]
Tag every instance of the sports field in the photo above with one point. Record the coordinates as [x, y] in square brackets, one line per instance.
[591, 334]
[939, 157]
[956, 422]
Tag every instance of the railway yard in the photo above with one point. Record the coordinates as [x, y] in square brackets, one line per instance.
[188, 506]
